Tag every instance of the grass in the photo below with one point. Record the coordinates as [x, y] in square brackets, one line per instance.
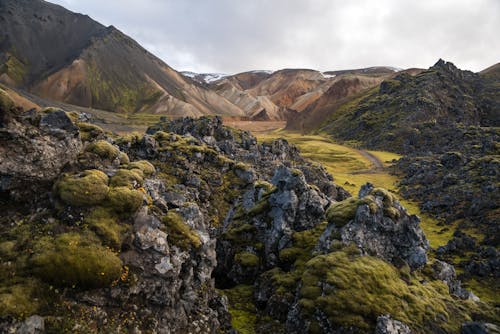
[242, 309]
[351, 170]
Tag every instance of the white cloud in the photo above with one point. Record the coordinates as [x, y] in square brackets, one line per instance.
[231, 36]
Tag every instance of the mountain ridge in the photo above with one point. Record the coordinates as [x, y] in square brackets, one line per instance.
[103, 68]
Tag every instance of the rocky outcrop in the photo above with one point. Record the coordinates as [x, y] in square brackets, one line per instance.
[266, 221]
[378, 225]
[446, 273]
[243, 147]
[34, 148]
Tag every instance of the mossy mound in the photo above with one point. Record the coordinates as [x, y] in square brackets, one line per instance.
[247, 259]
[179, 233]
[87, 188]
[145, 166]
[343, 212]
[17, 301]
[127, 178]
[124, 159]
[355, 290]
[75, 260]
[124, 199]
[103, 149]
[89, 132]
[104, 223]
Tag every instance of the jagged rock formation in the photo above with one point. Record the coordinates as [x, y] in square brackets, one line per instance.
[379, 226]
[33, 147]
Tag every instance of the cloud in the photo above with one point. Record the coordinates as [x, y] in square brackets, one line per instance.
[233, 36]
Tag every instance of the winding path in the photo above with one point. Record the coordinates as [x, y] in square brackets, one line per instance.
[377, 163]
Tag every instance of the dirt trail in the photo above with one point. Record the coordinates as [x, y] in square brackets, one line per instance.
[377, 163]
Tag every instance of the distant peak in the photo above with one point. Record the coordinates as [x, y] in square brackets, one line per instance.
[446, 65]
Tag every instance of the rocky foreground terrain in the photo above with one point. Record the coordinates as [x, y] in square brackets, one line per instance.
[194, 227]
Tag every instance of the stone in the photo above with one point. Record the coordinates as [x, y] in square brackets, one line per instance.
[32, 325]
[387, 325]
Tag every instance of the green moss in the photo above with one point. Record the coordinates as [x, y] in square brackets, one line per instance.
[289, 255]
[145, 166]
[5, 101]
[343, 212]
[127, 178]
[103, 149]
[7, 249]
[243, 321]
[124, 159]
[72, 259]
[247, 259]
[362, 288]
[88, 131]
[15, 69]
[242, 309]
[240, 233]
[388, 198]
[266, 186]
[87, 188]
[17, 300]
[124, 199]
[105, 224]
[180, 233]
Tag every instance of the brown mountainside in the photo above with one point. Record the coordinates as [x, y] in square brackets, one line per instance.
[68, 57]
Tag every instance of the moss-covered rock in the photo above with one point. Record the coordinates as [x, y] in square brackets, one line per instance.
[145, 166]
[124, 159]
[103, 149]
[131, 178]
[89, 132]
[78, 260]
[124, 199]
[179, 233]
[247, 259]
[87, 188]
[354, 291]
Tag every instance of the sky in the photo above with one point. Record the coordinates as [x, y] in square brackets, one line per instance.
[231, 36]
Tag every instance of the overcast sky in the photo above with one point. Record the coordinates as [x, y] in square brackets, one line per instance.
[230, 36]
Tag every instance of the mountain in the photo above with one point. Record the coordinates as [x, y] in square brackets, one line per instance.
[69, 57]
[394, 114]
[203, 78]
[374, 71]
[445, 122]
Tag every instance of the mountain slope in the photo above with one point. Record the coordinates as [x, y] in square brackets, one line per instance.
[395, 114]
[69, 57]
[446, 123]
[345, 87]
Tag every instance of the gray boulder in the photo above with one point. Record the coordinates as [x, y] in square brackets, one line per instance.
[387, 325]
